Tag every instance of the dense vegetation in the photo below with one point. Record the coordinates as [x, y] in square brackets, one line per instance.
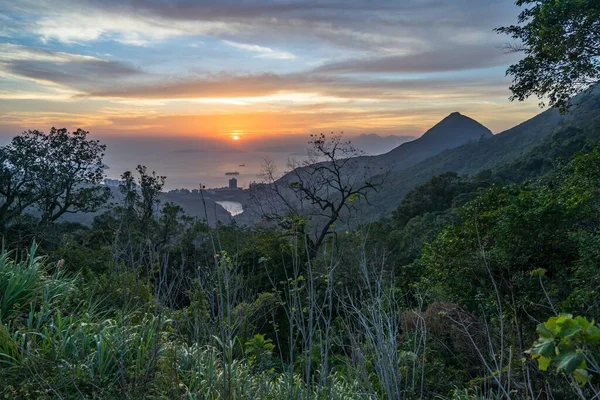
[560, 41]
[482, 284]
[440, 301]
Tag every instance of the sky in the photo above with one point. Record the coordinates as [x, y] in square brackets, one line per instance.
[264, 71]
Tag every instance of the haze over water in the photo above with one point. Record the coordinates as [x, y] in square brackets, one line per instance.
[187, 163]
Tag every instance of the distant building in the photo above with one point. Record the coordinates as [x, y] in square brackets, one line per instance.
[233, 183]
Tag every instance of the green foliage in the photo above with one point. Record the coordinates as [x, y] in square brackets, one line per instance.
[86, 353]
[259, 351]
[438, 194]
[140, 197]
[201, 374]
[517, 251]
[439, 302]
[54, 173]
[550, 215]
[560, 40]
[27, 284]
[19, 286]
[571, 344]
[467, 394]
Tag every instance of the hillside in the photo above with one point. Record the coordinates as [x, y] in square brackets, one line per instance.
[453, 131]
[500, 149]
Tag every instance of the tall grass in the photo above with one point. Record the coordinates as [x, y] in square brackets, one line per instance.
[57, 340]
[20, 283]
[54, 346]
[201, 370]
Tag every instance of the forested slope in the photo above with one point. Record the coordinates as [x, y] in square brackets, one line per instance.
[522, 141]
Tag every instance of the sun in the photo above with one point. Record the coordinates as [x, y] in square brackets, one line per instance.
[236, 134]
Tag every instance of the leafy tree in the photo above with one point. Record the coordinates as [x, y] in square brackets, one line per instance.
[54, 173]
[438, 194]
[561, 42]
[142, 197]
[150, 185]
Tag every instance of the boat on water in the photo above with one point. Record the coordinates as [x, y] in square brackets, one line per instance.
[232, 173]
[242, 165]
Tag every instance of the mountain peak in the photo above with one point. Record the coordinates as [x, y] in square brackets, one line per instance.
[453, 131]
[454, 116]
[458, 128]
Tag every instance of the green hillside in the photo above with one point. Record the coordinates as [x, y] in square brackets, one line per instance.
[508, 146]
[453, 131]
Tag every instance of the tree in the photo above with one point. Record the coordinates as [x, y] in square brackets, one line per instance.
[54, 173]
[319, 191]
[142, 197]
[438, 194]
[561, 42]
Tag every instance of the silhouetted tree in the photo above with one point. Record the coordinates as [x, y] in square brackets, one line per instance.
[561, 42]
[319, 191]
[54, 173]
[142, 197]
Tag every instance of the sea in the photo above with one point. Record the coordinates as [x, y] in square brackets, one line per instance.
[188, 164]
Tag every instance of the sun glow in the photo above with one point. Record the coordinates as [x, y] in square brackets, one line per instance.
[236, 137]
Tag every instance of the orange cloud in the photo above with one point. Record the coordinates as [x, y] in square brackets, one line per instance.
[259, 125]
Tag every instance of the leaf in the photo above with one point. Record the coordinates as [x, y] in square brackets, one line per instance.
[592, 334]
[581, 376]
[538, 272]
[582, 322]
[568, 328]
[560, 320]
[551, 325]
[544, 348]
[544, 331]
[570, 362]
[544, 363]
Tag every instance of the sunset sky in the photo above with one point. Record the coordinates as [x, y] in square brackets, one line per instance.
[253, 68]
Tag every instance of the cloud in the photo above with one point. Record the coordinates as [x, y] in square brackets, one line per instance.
[11, 52]
[80, 22]
[374, 26]
[298, 88]
[263, 52]
[90, 77]
[378, 62]
[219, 86]
[77, 71]
[457, 58]
[79, 28]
